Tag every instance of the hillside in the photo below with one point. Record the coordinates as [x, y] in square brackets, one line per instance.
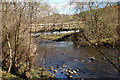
[56, 18]
[105, 30]
[101, 21]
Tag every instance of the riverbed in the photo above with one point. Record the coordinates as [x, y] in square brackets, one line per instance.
[66, 53]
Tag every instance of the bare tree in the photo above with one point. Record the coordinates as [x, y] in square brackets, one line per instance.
[91, 14]
[15, 36]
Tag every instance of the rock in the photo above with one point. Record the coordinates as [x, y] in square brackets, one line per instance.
[77, 69]
[69, 76]
[70, 72]
[53, 74]
[75, 59]
[62, 72]
[55, 71]
[27, 74]
[57, 67]
[74, 71]
[60, 68]
[69, 69]
[64, 66]
[103, 58]
[83, 60]
[63, 53]
[51, 68]
[66, 70]
[32, 69]
[91, 58]
[66, 74]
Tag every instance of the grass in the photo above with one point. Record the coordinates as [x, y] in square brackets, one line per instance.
[107, 40]
[54, 36]
[6, 75]
[35, 73]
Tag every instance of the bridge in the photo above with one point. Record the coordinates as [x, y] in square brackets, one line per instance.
[56, 27]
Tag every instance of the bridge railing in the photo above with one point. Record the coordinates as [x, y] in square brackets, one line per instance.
[56, 26]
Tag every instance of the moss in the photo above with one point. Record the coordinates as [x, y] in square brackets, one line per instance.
[36, 73]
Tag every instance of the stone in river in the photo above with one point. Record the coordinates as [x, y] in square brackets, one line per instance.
[83, 60]
[75, 59]
[91, 58]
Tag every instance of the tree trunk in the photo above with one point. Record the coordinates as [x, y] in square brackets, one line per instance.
[10, 52]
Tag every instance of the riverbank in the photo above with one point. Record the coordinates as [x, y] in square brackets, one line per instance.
[33, 74]
[80, 40]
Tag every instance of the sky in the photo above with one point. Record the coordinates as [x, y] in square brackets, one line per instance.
[57, 1]
[61, 6]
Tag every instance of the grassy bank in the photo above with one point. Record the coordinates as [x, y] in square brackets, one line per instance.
[34, 73]
[53, 36]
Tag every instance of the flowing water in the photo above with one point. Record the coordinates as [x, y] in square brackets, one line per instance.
[66, 53]
[53, 32]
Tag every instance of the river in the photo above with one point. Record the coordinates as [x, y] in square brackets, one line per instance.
[53, 32]
[66, 53]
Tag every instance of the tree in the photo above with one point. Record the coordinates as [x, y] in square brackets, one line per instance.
[97, 26]
[16, 47]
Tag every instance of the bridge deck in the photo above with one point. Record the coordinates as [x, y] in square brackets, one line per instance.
[56, 26]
